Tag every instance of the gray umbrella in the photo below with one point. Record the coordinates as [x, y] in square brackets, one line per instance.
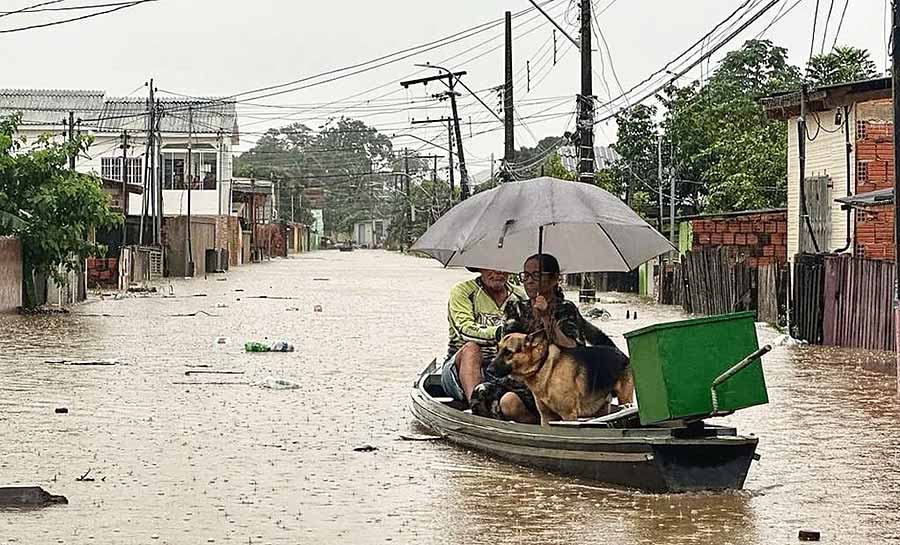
[586, 228]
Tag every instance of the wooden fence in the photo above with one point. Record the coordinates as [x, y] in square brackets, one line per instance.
[840, 300]
[718, 281]
[808, 301]
[858, 311]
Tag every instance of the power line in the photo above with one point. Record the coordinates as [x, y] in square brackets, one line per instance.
[837, 34]
[37, 9]
[812, 40]
[30, 8]
[827, 20]
[74, 19]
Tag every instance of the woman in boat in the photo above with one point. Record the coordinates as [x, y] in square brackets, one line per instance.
[546, 309]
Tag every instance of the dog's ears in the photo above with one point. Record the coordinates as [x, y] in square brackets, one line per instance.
[536, 337]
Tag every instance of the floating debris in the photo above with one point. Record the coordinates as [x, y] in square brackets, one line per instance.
[61, 410]
[419, 437]
[809, 535]
[365, 448]
[273, 383]
[317, 308]
[213, 372]
[84, 362]
[86, 477]
[28, 496]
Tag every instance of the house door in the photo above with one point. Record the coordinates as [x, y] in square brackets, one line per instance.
[818, 206]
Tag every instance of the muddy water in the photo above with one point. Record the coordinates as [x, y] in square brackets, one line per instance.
[237, 463]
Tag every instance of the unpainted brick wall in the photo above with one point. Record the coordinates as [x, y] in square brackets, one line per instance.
[874, 170]
[761, 237]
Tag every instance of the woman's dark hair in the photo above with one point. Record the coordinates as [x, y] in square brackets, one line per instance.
[547, 262]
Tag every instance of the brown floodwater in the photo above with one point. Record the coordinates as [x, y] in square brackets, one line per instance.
[239, 463]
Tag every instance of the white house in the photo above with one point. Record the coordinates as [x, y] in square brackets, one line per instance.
[848, 152]
[207, 126]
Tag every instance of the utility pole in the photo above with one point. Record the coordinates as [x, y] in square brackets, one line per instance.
[586, 100]
[189, 177]
[672, 235]
[125, 147]
[895, 82]
[509, 147]
[554, 47]
[451, 78]
[659, 183]
[72, 153]
[147, 195]
[450, 161]
[407, 214]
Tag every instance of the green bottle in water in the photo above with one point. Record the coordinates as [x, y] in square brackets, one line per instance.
[253, 346]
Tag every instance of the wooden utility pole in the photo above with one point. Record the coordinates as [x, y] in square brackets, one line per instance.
[148, 196]
[451, 78]
[659, 181]
[189, 178]
[71, 127]
[125, 147]
[586, 100]
[509, 146]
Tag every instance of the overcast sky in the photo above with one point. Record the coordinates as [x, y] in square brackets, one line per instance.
[222, 47]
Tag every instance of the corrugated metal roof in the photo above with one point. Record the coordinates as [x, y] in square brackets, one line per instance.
[210, 115]
[43, 107]
[50, 106]
[872, 198]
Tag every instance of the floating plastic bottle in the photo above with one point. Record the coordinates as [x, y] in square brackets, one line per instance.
[253, 346]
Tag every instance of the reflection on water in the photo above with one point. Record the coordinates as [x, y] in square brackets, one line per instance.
[177, 462]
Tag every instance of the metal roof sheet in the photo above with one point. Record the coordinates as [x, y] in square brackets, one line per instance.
[872, 198]
[50, 106]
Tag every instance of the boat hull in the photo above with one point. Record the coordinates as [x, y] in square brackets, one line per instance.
[678, 459]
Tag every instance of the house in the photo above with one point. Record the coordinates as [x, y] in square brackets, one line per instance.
[841, 220]
[370, 233]
[849, 151]
[186, 170]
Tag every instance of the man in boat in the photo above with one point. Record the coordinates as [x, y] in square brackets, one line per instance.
[475, 314]
[545, 308]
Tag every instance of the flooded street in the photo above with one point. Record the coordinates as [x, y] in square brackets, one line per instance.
[176, 462]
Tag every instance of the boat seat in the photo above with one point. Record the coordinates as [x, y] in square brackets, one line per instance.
[618, 415]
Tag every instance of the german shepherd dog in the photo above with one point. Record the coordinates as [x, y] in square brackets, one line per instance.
[567, 383]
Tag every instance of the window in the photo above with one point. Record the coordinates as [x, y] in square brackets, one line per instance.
[111, 168]
[204, 168]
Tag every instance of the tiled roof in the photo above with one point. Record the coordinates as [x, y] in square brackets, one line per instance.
[50, 106]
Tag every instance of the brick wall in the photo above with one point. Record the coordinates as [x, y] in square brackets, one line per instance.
[103, 272]
[235, 241]
[761, 237]
[874, 170]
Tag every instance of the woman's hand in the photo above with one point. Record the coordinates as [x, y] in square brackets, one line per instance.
[540, 305]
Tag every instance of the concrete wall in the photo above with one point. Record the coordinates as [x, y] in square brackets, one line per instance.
[203, 237]
[825, 156]
[10, 274]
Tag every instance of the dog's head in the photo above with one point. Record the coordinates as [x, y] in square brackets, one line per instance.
[519, 354]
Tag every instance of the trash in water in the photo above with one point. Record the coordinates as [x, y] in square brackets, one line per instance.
[419, 437]
[809, 535]
[269, 297]
[27, 496]
[221, 340]
[627, 314]
[61, 410]
[85, 476]
[321, 279]
[277, 346]
[292, 309]
[273, 383]
[787, 340]
[221, 279]
[221, 305]
[212, 372]
[191, 314]
[317, 308]
[365, 448]
[84, 362]
[601, 313]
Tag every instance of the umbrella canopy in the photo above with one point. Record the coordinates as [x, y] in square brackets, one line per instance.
[586, 228]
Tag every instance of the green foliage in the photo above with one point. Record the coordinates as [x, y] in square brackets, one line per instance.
[336, 158]
[843, 64]
[717, 141]
[51, 209]
[554, 168]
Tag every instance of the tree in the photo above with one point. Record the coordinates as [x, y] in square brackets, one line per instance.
[338, 158]
[634, 175]
[51, 209]
[732, 155]
[841, 65]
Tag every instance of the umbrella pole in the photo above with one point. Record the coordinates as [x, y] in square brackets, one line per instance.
[540, 259]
